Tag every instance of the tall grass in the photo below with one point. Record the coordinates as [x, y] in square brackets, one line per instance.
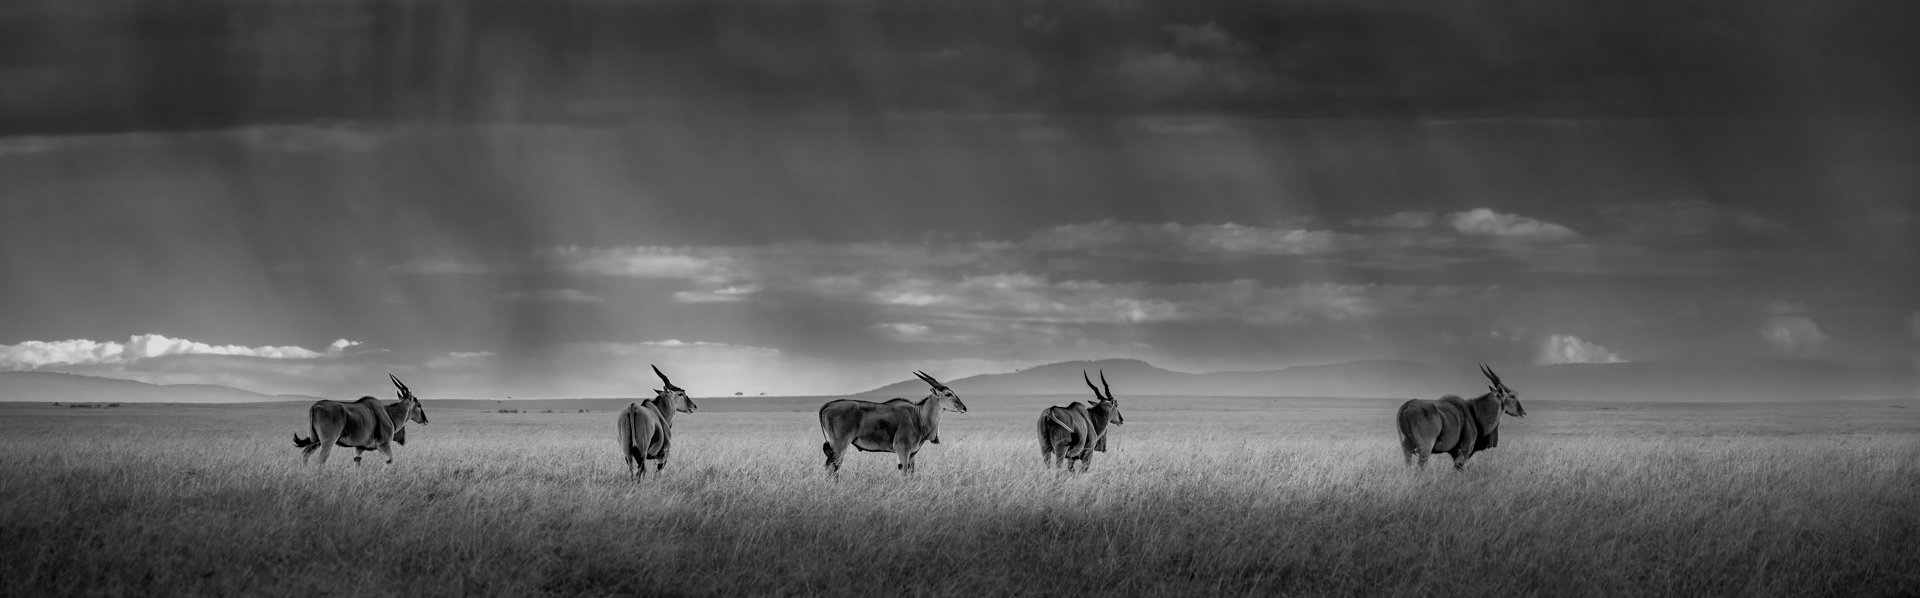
[1238, 497]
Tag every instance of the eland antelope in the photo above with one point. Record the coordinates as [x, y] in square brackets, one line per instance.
[646, 427]
[898, 426]
[1456, 426]
[364, 425]
[1074, 432]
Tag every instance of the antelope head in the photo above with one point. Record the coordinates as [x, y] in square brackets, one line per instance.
[418, 413]
[1107, 401]
[1509, 400]
[949, 401]
[672, 395]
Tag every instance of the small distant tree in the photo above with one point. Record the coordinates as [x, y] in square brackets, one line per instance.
[737, 393]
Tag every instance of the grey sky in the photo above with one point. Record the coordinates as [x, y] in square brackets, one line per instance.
[537, 199]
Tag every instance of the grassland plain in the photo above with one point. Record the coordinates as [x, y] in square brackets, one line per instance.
[1198, 496]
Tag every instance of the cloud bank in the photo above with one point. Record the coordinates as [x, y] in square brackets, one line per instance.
[31, 355]
[1567, 348]
[1789, 328]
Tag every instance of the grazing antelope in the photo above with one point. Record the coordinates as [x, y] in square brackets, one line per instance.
[1074, 432]
[1456, 426]
[898, 426]
[364, 425]
[646, 427]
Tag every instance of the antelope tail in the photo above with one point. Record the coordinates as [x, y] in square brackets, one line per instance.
[1056, 419]
[299, 442]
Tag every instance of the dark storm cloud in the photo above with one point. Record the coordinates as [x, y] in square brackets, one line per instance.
[537, 197]
[124, 65]
[1080, 285]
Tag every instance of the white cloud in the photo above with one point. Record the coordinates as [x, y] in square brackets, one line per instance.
[462, 359]
[905, 329]
[1482, 221]
[1797, 335]
[699, 264]
[1779, 308]
[968, 333]
[677, 344]
[553, 296]
[79, 352]
[728, 294]
[737, 273]
[1567, 348]
[1788, 326]
[446, 266]
[1184, 242]
[1017, 297]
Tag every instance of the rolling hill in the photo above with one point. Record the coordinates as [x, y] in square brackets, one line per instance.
[1702, 381]
[68, 388]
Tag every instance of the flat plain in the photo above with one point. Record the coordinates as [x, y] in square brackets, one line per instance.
[1198, 496]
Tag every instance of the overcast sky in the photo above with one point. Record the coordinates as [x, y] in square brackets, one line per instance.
[541, 198]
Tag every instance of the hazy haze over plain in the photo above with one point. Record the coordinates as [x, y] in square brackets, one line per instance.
[538, 199]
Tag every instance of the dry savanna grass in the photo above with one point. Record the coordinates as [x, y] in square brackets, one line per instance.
[1198, 496]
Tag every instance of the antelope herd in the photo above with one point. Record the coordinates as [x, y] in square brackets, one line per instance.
[1068, 435]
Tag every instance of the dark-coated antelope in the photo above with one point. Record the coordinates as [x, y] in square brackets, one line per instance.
[364, 425]
[1456, 426]
[1074, 432]
[646, 427]
[898, 426]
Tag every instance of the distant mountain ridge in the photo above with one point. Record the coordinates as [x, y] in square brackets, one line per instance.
[1761, 380]
[1704, 381]
[69, 388]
